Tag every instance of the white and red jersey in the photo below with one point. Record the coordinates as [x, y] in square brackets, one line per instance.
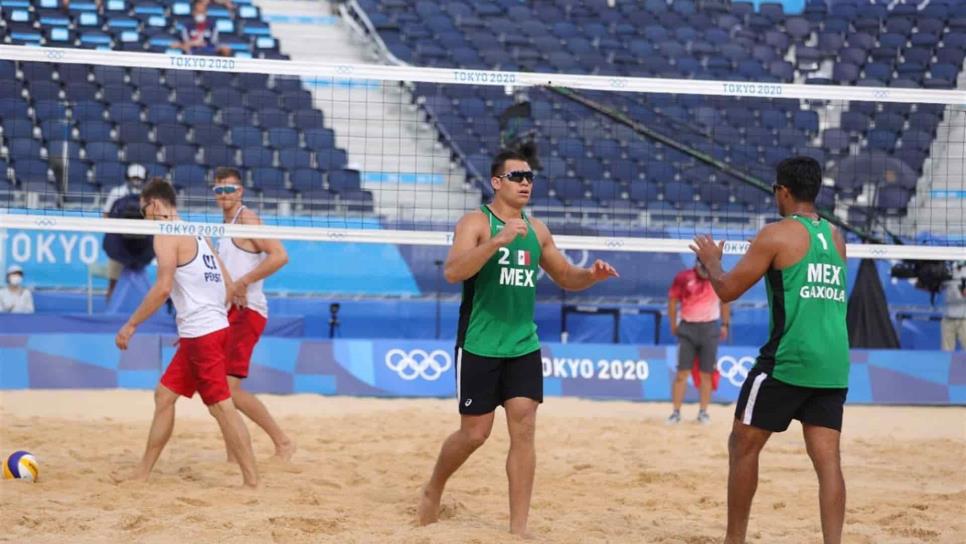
[239, 262]
[199, 294]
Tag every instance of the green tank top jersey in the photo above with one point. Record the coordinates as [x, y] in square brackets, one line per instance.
[496, 314]
[808, 342]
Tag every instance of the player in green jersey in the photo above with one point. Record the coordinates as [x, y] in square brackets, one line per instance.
[802, 371]
[496, 251]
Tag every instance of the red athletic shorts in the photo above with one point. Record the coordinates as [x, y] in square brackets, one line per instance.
[245, 327]
[199, 365]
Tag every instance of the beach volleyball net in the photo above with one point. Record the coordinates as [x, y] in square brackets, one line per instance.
[396, 154]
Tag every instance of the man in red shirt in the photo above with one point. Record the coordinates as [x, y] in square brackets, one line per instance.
[704, 320]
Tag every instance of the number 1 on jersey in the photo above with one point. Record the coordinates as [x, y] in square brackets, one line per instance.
[821, 238]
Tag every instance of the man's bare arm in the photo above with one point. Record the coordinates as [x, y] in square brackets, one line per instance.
[564, 274]
[275, 255]
[467, 255]
[753, 264]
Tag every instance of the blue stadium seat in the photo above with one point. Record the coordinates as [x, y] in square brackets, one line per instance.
[256, 156]
[296, 100]
[569, 189]
[27, 170]
[108, 173]
[261, 99]
[308, 119]
[283, 137]
[343, 180]
[292, 158]
[318, 139]
[133, 132]
[101, 151]
[53, 129]
[242, 136]
[218, 155]
[24, 148]
[186, 175]
[331, 159]
[198, 114]
[95, 131]
[178, 154]
[223, 97]
[272, 118]
[267, 177]
[171, 133]
[317, 200]
[306, 179]
[236, 116]
[125, 112]
[140, 152]
[17, 128]
[357, 201]
[208, 134]
[881, 139]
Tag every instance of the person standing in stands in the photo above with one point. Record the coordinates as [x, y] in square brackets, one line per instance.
[249, 261]
[15, 298]
[704, 321]
[136, 174]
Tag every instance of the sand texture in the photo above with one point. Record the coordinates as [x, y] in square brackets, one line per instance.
[607, 472]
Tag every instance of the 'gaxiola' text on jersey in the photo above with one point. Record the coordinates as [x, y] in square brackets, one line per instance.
[808, 344]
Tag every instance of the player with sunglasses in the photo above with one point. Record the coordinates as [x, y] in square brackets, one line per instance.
[496, 252]
[249, 261]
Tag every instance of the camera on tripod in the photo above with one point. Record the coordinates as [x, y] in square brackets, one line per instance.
[931, 276]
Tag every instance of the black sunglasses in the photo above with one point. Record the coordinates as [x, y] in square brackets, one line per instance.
[517, 176]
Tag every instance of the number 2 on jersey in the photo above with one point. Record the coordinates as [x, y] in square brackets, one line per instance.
[504, 256]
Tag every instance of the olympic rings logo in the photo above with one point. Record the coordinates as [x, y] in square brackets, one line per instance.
[334, 235]
[880, 93]
[343, 69]
[55, 55]
[618, 83]
[46, 222]
[613, 242]
[418, 363]
[735, 369]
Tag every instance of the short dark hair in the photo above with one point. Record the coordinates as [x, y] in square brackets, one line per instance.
[496, 167]
[802, 176]
[162, 190]
[224, 172]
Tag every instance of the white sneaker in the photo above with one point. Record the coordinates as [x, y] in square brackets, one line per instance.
[704, 418]
[674, 418]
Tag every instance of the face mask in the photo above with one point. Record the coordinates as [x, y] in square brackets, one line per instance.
[15, 279]
[200, 18]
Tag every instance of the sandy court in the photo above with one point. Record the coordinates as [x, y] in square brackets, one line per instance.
[608, 472]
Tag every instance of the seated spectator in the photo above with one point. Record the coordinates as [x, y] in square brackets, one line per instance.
[15, 298]
[202, 38]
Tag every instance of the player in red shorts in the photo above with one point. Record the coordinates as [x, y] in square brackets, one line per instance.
[191, 273]
[249, 261]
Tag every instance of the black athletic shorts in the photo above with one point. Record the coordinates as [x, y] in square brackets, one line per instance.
[769, 404]
[483, 383]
